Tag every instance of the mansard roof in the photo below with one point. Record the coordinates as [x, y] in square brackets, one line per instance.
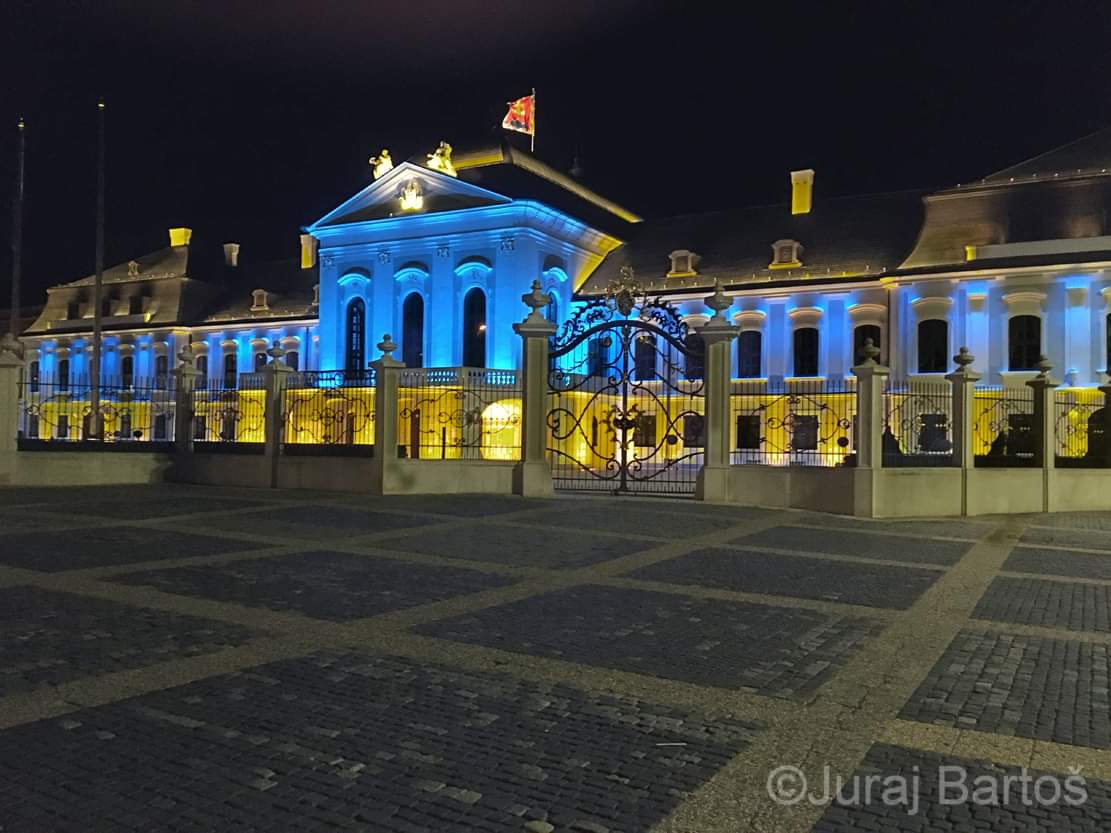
[170, 262]
[842, 239]
[289, 292]
[1087, 156]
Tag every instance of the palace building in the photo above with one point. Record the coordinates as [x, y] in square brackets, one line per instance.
[438, 252]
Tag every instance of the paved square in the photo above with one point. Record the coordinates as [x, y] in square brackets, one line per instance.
[314, 522]
[937, 811]
[1026, 686]
[875, 585]
[680, 707]
[106, 546]
[517, 546]
[1050, 604]
[49, 638]
[848, 542]
[322, 584]
[637, 519]
[356, 742]
[781, 652]
[1060, 563]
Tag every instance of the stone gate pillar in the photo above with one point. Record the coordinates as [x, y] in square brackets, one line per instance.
[11, 365]
[185, 383]
[533, 475]
[871, 379]
[963, 380]
[276, 373]
[1045, 440]
[385, 402]
[717, 334]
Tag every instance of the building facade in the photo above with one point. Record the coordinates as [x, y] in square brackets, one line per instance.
[1014, 266]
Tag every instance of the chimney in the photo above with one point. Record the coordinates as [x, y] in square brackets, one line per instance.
[308, 251]
[802, 186]
[231, 254]
[180, 236]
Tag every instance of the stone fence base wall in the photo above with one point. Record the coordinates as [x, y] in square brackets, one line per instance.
[79, 468]
[909, 492]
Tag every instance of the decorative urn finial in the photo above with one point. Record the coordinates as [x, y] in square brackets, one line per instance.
[276, 353]
[387, 346]
[963, 359]
[719, 302]
[186, 355]
[871, 352]
[1044, 366]
[536, 300]
[10, 344]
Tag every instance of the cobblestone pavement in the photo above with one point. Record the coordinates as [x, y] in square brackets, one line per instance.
[193, 659]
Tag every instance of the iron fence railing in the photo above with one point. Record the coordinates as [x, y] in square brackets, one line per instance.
[1080, 428]
[1003, 429]
[328, 408]
[453, 413]
[223, 415]
[918, 424]
[60, 410]
[795, 422]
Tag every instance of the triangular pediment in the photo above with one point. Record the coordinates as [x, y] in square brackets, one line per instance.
[383, 198]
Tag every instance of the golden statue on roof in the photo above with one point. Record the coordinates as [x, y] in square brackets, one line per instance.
[440, 159]
[382, 163]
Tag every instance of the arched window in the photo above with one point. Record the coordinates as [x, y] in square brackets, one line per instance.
[161, 370]
[862, 334]
[1025, 342]
[474, 328]
[356, 335]
[293, 360]
[127, 371]
[552, 311]
[412, 330]
[749, 344]
[644, 358]
[933, 345]
[231, 370]
[201, 364]
[260, 360]
[695, 359]
[63, 374]
[806, 351]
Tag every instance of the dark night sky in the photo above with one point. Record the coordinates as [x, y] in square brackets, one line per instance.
[246, 120]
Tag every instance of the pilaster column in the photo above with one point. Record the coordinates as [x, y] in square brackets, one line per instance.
[1045, 449]
[185, 382]
[533, 475]
[871, 379]
[963, 380]
[385, 402]
[717, 334]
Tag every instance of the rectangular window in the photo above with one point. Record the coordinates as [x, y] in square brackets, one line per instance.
[63, 427]
[125, 426]
[34, 374]
[33, 427]
[748, 354]
[806, 351]
[694, 431]
[160, 427]
[805, 436]
[644, 434]
[135, 305]
[644, 358]
[596, 357]
[230, 370]
[748, 432]
[933, 345]
[161, 370]
[200, 428]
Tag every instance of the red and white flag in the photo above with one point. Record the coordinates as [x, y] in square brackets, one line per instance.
[521, 117]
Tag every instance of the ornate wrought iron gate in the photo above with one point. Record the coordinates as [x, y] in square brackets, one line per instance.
[626, 407]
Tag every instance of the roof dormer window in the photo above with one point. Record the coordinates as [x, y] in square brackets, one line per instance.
[786, 254]
[260, 301]
[683, 263]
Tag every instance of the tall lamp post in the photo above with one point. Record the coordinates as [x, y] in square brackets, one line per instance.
[17, 233]
[97, 424]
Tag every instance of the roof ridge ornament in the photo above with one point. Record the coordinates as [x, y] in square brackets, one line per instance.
[382, 163]
[440, 159]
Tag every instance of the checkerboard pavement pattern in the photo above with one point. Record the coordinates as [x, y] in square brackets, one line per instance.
[201, 659]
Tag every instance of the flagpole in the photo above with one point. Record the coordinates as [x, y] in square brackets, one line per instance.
[17, 232]
[532, 136]
[98, 285]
